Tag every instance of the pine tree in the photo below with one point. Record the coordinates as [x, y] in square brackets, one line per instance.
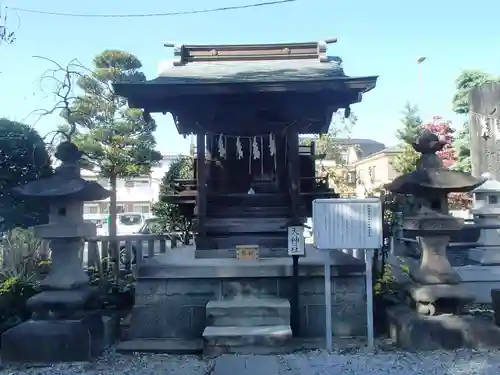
[114, 138]
[411, 128]
[411, 124]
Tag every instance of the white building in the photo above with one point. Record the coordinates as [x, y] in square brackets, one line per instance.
[133, 195]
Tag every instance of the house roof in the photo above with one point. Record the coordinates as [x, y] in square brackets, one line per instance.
[366, 147]
[386, 150]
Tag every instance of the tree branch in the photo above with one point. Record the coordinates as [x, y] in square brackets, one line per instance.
[64, 83]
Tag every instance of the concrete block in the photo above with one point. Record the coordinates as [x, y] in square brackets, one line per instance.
[229, 339]
[412, 331]
[53, 341]
[485, 256]
[248, 312]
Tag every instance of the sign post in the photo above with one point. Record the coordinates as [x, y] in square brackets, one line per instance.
[296, 249]
[350, 224]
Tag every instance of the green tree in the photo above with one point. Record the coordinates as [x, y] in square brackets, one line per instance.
[461, 147]
[326, 144]
[328, 147]
[115, 138]
[406, 160]
[23, 158]
[411, 124]
[174, 217]
[467, 80]
[411, 127]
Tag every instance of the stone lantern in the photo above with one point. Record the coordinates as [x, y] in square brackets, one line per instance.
[61, 328]
[436, 285]
[487, 212]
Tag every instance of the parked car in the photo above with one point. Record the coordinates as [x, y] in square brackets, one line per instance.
[148, 227]
[129, 223]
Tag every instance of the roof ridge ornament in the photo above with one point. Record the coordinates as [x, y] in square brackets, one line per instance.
[184, 53]
[322, 46]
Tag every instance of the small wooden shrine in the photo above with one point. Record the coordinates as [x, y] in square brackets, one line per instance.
[247, 105]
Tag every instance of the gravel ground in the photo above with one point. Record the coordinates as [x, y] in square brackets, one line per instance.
[308, 363]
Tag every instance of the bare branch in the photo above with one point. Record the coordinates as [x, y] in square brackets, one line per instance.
[63, 81]
[63, 89]
[54, 134]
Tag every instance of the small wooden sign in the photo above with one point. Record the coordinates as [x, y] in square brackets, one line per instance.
[296, 244]
[247, 252]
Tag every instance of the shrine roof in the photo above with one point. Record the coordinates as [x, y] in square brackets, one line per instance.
[249, 71]
[198, 69]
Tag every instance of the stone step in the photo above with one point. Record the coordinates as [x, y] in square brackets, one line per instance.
[248, 211]
[265, 199]
[247, 225]
[248, 312]
[233, 339]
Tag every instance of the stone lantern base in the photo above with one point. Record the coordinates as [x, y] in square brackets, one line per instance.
[439, 298]
[61, 330]
[437, 286]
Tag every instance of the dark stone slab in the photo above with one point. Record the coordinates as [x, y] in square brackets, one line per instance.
[52, 341]
[61, 300]
[111, 325]
[411, 331]
[176, 265]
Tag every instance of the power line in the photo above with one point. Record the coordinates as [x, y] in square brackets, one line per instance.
[163, 14]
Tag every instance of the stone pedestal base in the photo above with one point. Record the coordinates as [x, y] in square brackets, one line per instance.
[485, 255]
[173, 290]
[412, 331]
[439, 298]
[51, 341]
[65, 301]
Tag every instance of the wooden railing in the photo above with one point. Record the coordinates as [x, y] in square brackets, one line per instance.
[131, 251]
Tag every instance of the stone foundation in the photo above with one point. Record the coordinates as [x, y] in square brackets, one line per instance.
[411, 331]
[172, 292]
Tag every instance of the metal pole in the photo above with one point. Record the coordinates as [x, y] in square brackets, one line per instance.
[420, 60]
[419, 69]
[295, 297]
[369, 298]
[328, 302]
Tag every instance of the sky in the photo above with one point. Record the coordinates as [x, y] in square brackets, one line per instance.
[383, 38]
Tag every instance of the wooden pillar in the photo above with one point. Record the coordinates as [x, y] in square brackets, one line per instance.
[294, 175]
[201, 177]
